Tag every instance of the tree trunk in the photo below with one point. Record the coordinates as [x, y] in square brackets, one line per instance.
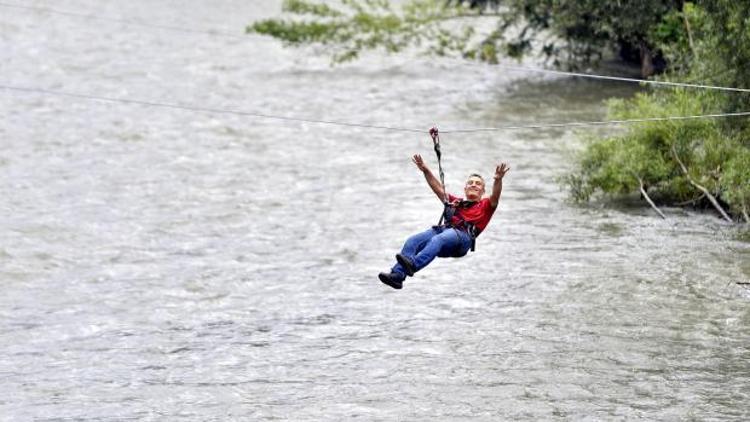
[705, 191]
[647, 61]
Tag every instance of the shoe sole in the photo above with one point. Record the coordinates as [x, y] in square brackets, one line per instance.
[385, 280]
[408, 266]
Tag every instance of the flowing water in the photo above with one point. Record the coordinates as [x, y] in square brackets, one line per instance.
[166, 264]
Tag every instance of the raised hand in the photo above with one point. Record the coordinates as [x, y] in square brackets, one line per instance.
[501, 170]
[417, 159]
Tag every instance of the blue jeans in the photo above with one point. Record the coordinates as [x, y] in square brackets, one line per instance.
[422, 248]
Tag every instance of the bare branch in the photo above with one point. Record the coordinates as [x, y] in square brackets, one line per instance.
[689, 33]
[648, 198]
[691, 201]
[705, 191]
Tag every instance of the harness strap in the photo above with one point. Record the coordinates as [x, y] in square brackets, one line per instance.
[448, 211]
[470, 228]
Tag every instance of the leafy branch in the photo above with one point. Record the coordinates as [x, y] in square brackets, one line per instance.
[359, 25]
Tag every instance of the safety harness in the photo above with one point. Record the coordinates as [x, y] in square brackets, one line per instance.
[449, 210]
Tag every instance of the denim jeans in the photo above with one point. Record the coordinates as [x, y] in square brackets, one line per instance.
[423, 247]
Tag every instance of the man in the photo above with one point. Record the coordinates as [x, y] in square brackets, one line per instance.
[465, 219]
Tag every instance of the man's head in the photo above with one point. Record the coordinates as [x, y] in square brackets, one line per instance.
[474, 188]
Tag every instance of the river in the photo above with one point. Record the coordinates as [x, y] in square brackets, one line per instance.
[167, 264]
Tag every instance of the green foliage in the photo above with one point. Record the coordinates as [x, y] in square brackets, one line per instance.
[571, 32]
[716, 153]
[615, 165]
[303, 7]
[358, 25]
[581, 31]
[675, 35]
[735, 178]
[297, 32]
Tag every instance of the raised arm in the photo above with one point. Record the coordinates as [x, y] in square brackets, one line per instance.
[497, 186]
[433, 181]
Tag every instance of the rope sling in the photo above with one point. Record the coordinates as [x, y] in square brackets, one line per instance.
[449, 210]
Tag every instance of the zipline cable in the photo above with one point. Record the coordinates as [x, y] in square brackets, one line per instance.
[203, 109]
[598, 123]
[514, 68]
[616, 78]
[361, 125]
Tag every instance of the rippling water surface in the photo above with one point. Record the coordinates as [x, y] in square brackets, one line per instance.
[162, 264]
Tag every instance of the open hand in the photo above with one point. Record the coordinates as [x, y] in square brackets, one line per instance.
[501, 170]
[417, 159]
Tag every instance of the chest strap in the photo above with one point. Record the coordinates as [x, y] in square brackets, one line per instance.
[470, 228]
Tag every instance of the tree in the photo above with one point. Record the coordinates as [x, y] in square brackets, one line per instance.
[708, 162]
[568, 32]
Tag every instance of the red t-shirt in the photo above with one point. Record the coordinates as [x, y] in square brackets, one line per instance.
[478, 214]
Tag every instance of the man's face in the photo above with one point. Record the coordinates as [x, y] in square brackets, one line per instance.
[474, 188]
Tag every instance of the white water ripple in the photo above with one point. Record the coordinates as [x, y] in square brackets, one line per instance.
[169, 265]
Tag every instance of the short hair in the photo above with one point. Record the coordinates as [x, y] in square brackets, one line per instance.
[477, 175]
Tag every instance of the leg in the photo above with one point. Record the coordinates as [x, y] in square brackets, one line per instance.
[427, 245]
[413, 246]
[417, 242]
[458, 249]
[448, 243]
